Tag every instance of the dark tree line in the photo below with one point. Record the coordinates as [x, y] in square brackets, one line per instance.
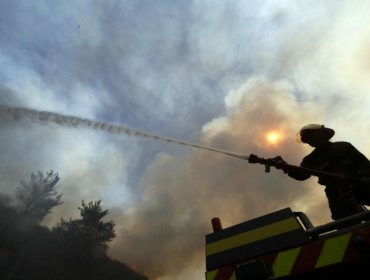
[73, 249]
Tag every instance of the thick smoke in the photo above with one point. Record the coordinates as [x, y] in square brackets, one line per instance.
[165, 231]
[180, 194]
[100, 64]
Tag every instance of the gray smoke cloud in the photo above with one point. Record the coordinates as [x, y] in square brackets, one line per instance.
[182, 194]
[216, 74]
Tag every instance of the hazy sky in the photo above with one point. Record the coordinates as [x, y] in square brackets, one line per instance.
[216, 73]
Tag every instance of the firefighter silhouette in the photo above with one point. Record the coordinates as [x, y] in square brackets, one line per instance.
[345, 198]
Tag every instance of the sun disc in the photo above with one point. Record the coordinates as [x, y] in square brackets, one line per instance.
[273, 137]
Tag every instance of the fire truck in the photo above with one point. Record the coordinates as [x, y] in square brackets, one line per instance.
[285, 245]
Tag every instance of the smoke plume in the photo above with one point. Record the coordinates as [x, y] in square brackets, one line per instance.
[162, 233]
[165, 231]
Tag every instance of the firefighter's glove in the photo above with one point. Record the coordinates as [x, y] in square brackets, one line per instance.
[279, 163]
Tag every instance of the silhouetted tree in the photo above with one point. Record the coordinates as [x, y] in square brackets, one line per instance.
[92, 214]
[87, 237]
[36, 198]
[91, 226]
[74, 249]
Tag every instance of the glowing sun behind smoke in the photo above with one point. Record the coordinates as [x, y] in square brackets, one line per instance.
[273, 137]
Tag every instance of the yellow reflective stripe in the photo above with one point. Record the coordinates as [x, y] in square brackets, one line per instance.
[284, 262]
[252, 236]
[210, 275]
[333, 250]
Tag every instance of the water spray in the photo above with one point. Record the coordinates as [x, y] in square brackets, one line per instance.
[18, 113]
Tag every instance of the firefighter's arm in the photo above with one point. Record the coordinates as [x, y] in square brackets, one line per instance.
[292, 171]
[296, 172]
[300, 176]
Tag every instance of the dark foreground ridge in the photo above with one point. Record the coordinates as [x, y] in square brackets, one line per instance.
[74, 249]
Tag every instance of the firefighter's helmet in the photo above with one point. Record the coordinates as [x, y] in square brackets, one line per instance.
[310, 130]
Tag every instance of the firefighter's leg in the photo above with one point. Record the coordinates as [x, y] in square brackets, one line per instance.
[344, 206]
